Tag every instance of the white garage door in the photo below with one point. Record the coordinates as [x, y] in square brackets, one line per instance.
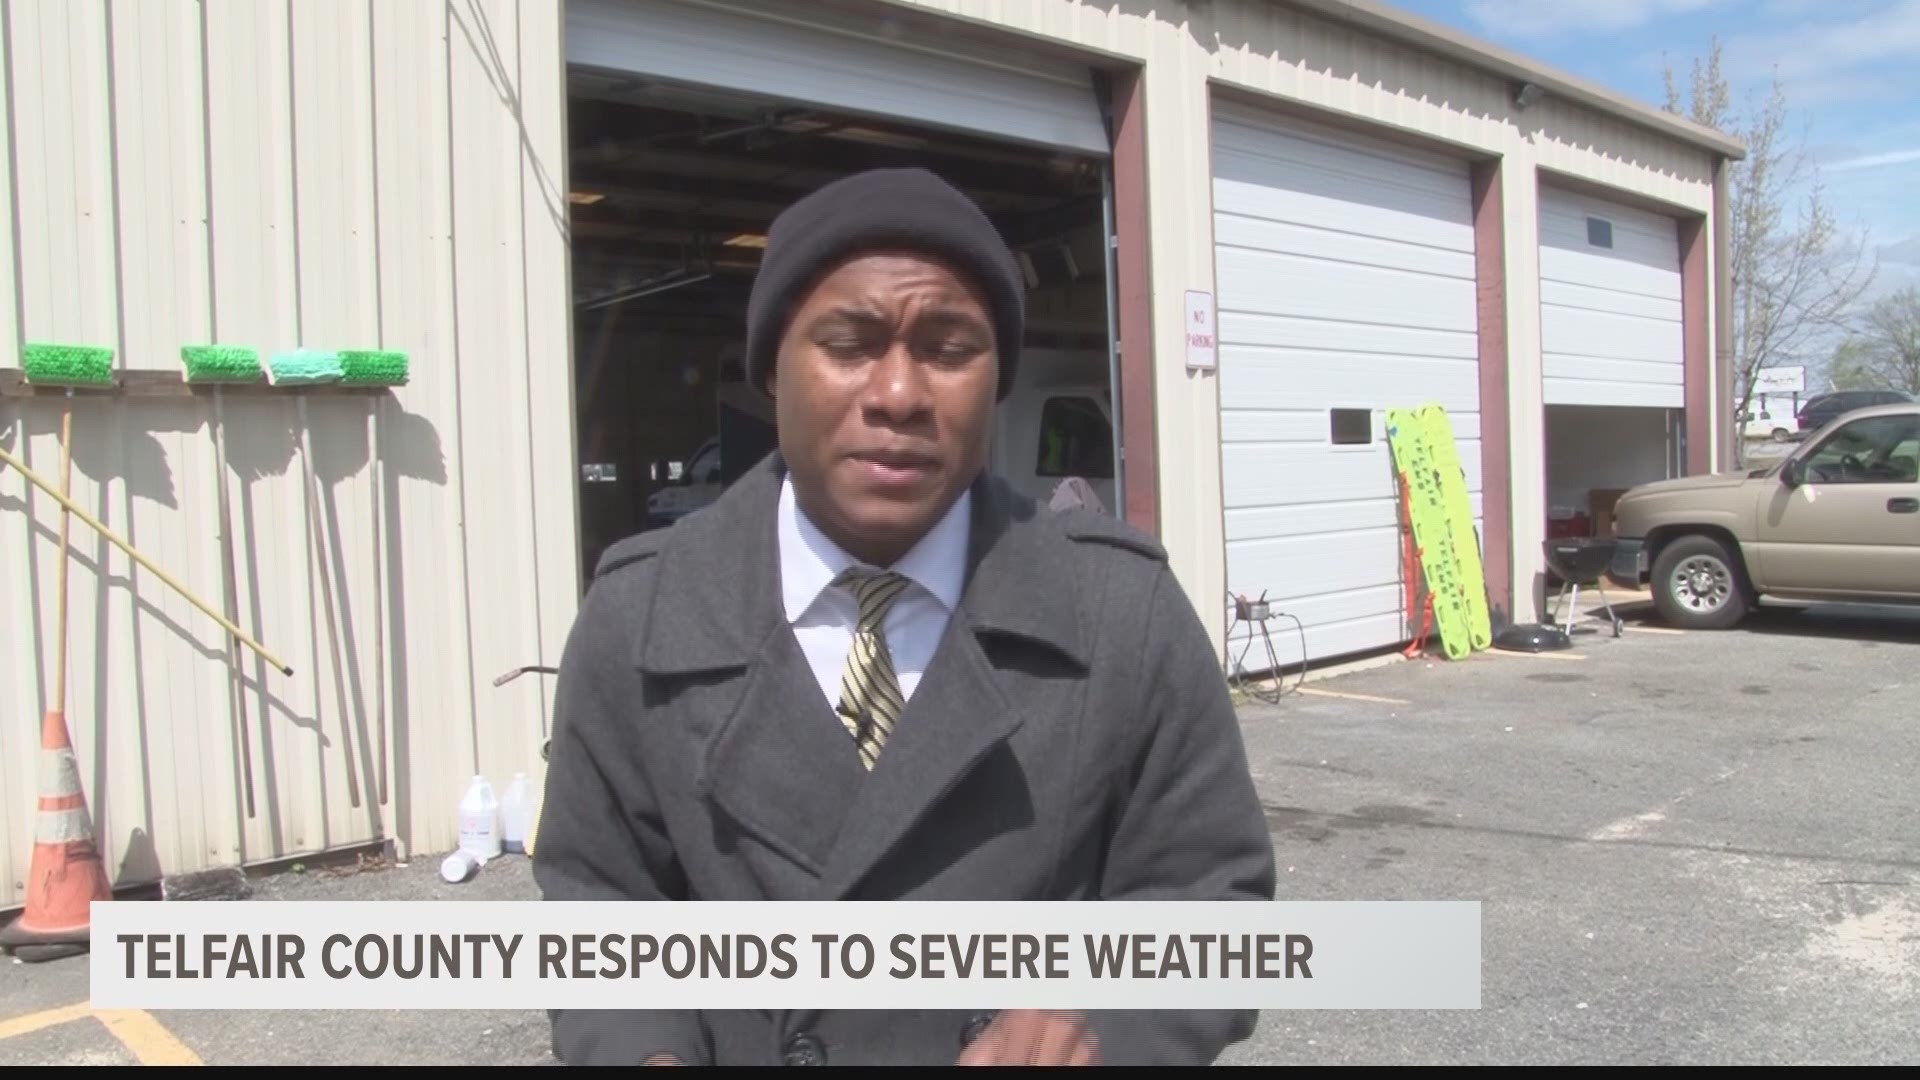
[855, 68]
[1346, 282]
[1610, 327]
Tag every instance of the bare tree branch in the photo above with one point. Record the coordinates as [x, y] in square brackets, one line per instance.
[1883, 352]
[1793, 279]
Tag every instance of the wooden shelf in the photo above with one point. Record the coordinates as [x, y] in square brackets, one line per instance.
[172, 384]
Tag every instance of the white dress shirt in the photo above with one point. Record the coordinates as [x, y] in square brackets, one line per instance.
[824, 616]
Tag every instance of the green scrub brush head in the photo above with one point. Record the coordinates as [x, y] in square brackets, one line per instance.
[374, 368]
[221, 364]
[68, 365]
[305, 366]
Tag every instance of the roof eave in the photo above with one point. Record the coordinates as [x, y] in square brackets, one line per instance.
[1389, 22]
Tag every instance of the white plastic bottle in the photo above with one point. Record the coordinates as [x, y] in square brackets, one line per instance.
[480, 821]
[458, 866]
[516, 811]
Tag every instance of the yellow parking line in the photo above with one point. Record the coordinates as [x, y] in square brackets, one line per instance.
[1633, 629]
[32, 1022]
[1351, 697]
[142, 1035]
[151, 1043]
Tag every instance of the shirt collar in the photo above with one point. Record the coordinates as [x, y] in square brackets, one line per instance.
[809, 561]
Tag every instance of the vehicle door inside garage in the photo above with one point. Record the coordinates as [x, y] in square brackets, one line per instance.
[672, 191]
[1612, 343]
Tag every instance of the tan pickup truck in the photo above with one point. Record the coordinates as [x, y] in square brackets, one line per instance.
[1838, 521]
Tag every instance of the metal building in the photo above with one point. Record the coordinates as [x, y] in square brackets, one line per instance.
[551, 207]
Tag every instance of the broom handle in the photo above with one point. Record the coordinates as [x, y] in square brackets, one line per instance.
[40, 483]
[229, 593]
[66, 485]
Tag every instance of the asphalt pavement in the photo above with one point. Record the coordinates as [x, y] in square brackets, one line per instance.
[1690, 848]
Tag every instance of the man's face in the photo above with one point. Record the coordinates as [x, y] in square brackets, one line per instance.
[885, 385]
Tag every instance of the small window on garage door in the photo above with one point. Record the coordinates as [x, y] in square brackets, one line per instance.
[1075, 439]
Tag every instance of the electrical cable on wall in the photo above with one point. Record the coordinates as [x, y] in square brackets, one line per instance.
[1257, 613]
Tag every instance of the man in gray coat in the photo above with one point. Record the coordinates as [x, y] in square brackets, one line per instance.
[872, 671]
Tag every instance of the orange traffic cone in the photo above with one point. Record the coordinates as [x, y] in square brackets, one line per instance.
[67, 873]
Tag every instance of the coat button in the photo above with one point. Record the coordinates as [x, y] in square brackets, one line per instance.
[804, 1049]
[975, 1025]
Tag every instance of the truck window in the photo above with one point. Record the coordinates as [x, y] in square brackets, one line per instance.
[1075, 439]
[1877, 450]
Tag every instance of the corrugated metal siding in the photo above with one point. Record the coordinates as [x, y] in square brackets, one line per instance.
[275, 175]
[1610, 317]
[1569, 139]
[16, 575]
[1346, 282]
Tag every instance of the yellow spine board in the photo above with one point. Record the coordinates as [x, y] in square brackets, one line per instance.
[1413, 459]
[1459, 511]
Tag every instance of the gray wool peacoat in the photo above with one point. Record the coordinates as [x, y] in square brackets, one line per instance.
[1072, 739]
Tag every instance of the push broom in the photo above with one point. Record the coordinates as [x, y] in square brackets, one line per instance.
[220, 366]
[298, 369]
[67, 873]
[377, 368]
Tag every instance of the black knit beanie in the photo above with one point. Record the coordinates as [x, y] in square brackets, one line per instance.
[910, 209]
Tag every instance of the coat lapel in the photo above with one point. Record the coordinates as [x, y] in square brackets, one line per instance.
[1019, 589]
[774, 758]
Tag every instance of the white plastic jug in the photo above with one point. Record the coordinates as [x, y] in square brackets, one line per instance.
[480, 821]
[516, 814]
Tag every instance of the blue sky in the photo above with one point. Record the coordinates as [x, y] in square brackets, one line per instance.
[1851, 71]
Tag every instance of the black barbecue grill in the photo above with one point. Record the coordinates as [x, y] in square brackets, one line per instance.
[1577, 561]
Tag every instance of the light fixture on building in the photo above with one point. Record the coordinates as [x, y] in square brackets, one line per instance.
[584, 198]
[1527, 94]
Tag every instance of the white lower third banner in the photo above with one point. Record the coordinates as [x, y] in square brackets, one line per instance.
[848, 955]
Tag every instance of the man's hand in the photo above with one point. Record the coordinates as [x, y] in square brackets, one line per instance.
[1034, 1037]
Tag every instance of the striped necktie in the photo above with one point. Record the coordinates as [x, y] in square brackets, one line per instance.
[870, 698]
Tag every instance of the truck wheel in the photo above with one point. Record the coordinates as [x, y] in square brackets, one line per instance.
[1699, 585]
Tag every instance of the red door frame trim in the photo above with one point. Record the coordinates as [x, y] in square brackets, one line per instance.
[1496, 441]
[1140, 469]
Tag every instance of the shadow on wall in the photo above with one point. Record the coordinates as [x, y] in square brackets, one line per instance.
[1273, 32]
[121, 447]
[350, 528]
[114, 439]
[119, 461]
[410, 449]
